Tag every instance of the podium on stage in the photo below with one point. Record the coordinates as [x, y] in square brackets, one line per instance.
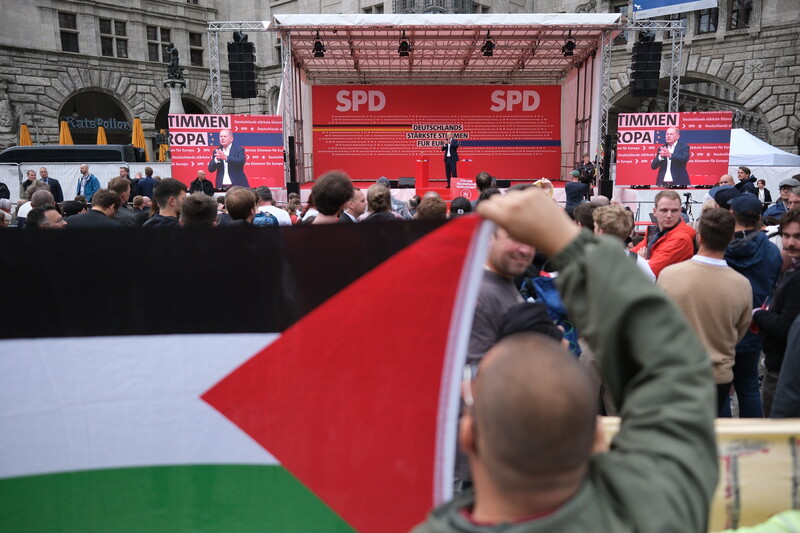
[423, 173]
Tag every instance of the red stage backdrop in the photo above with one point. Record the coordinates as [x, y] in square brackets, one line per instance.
[512, 132]
[640, 135]
[193, 139]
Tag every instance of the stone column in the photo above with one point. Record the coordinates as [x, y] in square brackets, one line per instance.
[175, 91]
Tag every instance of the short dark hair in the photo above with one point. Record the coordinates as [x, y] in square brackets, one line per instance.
[198, 211]
[72, 207]
[716, 229]
[264, 194]
[483, 180]
[792, 215]
[584, 214]
[379, 198]
[104, 198]
[240, 202]
[331, 191]
[488, 193]
[745, 170]
[119, 185]
[36, 217]
[165, 189]
[148, 171]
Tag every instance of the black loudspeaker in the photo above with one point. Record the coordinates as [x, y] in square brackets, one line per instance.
[606, 183]
[405, 183]
[503, 184]
[292, 161]
[292, 187]
[645, 69]
[242, 69]
[392, 184]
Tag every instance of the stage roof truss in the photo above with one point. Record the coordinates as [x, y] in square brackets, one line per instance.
[440, 53]
[445, 50]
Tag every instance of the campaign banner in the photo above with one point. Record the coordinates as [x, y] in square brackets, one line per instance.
[666, 149]
[254, 144]
[258, 407]
[465, 188]
[510, 131]
[661, 8]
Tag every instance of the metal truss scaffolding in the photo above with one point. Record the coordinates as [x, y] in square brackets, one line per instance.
[676, 30]
[442, 50]
[213, 54]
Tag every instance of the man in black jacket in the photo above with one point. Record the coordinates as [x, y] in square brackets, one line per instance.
[775, 322]
[201, 184]
[102, 214]
[747, 183]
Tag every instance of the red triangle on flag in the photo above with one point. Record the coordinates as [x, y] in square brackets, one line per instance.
[352, 398]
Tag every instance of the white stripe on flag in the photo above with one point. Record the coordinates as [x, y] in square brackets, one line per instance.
[109, 402]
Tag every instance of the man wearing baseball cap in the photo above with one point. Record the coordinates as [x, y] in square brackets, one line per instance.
[780, 207]
[575, 192]
[752, 255]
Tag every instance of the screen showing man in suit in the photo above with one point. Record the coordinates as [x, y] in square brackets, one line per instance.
[228, 162]
[671, 160]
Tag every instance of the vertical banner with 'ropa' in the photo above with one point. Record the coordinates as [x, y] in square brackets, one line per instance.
[250, 149]
[665, 149]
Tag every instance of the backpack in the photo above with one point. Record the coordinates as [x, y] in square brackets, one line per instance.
[265, 219]
[542, 288]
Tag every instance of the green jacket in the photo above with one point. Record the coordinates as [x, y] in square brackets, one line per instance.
[661, 471]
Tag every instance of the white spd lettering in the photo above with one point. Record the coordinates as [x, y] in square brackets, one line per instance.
[508, 100]
[353, 100]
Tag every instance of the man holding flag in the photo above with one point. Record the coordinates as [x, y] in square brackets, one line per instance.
[530, 431]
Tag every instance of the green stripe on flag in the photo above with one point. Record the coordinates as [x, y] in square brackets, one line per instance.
[230, 498]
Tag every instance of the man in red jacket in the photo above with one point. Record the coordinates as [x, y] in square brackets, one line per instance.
[674, 240]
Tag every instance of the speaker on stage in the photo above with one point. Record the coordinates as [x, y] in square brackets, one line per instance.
[503, 184]
[292, 186]
[605, 182]
[645, 69]
[242, 69]
[405, 183]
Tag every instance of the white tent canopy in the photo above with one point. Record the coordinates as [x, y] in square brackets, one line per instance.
[750, 151]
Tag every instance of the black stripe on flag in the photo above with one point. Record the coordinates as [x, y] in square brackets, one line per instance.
[149, 282]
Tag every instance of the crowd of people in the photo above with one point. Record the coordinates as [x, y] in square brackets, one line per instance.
[576, 317]
[150, 201]
[664, 356]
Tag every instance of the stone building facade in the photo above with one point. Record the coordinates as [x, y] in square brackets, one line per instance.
[84, 60]
[744, 61]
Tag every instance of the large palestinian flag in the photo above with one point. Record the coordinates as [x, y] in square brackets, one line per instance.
[278, 379]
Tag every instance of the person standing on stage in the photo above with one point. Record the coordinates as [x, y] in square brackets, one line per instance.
[450, 149]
